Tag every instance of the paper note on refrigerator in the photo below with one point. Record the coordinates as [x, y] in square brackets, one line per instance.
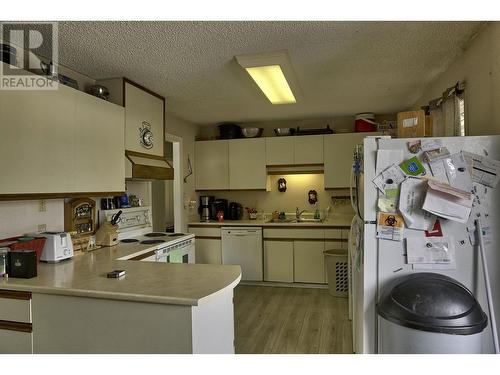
[385, 158]
[445, 201]
[411, 200]
[485, 170]
[389, 179]
[430, 250]
[454, 170]
[390, 226]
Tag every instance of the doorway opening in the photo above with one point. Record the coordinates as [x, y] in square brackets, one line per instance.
[167, 194]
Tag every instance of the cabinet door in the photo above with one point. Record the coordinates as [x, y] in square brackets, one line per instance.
[308, 149]
[143, 108]
[247, 163]
[279, 150]
[99, 145]
[36, 141]
[338, 157]
[212, 165]
[278, 261]
[15, 342]
[308, 261]
[208, 251]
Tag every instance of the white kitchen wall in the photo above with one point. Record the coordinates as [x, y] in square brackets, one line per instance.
[21, 217]
[298, 185]
[187, 131]
[479, 67]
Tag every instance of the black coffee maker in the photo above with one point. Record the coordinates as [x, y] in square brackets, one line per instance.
[219, 205]
[204, 207]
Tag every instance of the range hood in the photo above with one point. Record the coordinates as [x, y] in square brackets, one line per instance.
[140, 166]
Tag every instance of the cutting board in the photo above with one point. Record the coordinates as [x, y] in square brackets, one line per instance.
[411, 124]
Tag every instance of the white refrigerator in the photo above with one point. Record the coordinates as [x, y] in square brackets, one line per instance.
[376, 261]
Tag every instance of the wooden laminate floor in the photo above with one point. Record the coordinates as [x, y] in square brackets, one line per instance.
[290, 320]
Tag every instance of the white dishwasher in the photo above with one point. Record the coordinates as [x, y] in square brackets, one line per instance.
[243, 246]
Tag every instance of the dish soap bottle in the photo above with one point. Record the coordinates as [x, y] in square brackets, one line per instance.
[317, 215]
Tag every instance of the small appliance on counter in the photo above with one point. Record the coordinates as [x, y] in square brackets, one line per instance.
[219, 205]
[204, 208]
[58, 246]
[235, 211]
[22, 264]
[107, 234]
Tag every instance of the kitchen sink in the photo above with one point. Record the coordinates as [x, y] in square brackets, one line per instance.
[308, 220]
[301, 220]
[282, 221]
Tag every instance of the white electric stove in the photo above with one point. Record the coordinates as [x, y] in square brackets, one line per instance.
[135, 227]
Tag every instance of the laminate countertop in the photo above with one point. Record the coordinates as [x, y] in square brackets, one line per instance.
[85, 276]
[333, 221]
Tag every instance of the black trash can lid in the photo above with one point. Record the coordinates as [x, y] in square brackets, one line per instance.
[432, 302]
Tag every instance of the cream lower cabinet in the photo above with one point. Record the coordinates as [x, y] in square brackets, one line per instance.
[208, 244]
[338, 151]
[211, 165]
[16, 335]
[308, 260]
[208, 251]
[278, 260]
[247, 164]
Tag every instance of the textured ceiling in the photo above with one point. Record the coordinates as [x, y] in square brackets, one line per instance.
[342, 67]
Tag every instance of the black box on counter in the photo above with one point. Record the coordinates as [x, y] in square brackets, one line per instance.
[22, 264]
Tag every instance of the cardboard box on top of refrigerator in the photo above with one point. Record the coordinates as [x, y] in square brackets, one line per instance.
[411, 124]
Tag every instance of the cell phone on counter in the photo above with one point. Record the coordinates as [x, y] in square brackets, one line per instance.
[116, 274]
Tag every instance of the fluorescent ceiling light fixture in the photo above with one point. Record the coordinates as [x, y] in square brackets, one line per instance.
[274, 75]
[273, 83]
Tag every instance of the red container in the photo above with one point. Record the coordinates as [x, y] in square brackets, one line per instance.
[365, 122]
[35, 244]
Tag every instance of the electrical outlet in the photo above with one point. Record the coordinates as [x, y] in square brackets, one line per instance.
[42, 228]
[42, 207]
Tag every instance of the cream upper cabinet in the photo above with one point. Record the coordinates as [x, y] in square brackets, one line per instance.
[278, 261]
[338, 157]
[247, 163]
[37, 141]
[309, 265]
[99, 145]
[60, 142]
[308, 149]
[212, 165]
[279, 150]
[144, 112]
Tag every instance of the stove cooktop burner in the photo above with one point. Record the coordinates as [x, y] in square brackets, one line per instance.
[176, 234]
[151, 242]
[129, 240]
[155, 234]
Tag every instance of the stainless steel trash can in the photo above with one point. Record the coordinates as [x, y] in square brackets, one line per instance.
[429, 313]
[337, 272]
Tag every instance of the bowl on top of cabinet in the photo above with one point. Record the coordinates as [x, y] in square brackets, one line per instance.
[252, 132]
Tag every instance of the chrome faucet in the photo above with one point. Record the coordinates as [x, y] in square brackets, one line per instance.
[298, 213]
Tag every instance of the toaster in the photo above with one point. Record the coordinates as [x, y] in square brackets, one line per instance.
[58, 246]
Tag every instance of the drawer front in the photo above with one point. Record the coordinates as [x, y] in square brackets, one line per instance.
[15, 309]
[14, 342]
[205, 232]
[298, 233]
[333, 233]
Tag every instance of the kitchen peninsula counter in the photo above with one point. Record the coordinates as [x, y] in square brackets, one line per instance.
[72, 307]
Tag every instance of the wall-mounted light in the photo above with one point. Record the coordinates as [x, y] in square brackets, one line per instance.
[274, 75]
